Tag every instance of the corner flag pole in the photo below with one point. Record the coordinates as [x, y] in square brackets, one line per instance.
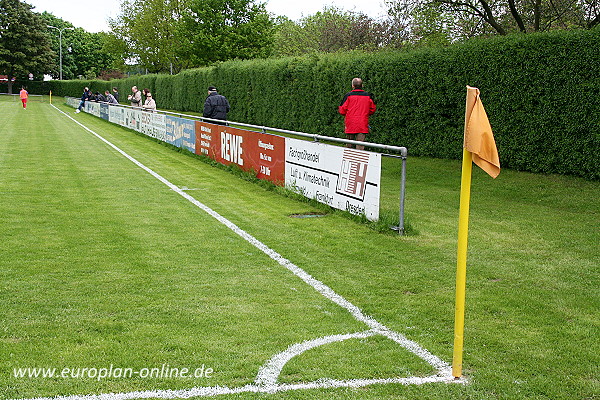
[480, 148]
[463, 234]
[461, 264]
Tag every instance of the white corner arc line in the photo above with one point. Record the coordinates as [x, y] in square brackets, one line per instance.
[265, 382]
[270, 371]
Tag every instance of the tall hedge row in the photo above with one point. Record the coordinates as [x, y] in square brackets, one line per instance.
[541, 92]
[33, 87]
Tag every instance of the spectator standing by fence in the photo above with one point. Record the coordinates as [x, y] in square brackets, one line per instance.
[135, 97]
[99, 97]
[149, 103]
[357, 106]
[110, 98]
[216, 106]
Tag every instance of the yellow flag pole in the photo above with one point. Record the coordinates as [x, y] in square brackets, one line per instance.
[461, 263]
[51, 97]
[463, 234]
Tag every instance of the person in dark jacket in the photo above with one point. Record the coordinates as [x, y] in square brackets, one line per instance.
[99, 97]
[216, 106]
[87, 93]
[357, 106]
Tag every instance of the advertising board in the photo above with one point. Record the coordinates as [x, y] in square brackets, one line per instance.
[343, 178]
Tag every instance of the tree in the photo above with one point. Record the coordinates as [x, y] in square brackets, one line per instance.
[334, 29]
[291, 39]
[83, 53]
[590, 13]
[89, 54]
[24, 42]
[146, 34]
[468, 18]
[219, 30]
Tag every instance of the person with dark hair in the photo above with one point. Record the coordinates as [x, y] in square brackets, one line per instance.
[115, 93]
[110, 98]
[87, 94]
[99, 97]
[216, 106]
[149, 103]
[357, 106]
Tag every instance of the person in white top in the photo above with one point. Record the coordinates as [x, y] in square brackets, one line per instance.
[149, 103]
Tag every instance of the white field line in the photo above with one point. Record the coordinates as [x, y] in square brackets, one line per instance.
[213, 391]
[269, 372]
[266, 381]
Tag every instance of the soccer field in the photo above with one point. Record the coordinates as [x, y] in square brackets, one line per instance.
[124, 258]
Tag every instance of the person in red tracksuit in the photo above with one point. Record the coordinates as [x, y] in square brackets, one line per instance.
[357, 106]
[24, 94]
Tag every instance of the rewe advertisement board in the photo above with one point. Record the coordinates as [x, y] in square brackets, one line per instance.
[251, 151]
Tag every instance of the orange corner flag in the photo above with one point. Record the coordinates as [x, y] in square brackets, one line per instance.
[479, 139]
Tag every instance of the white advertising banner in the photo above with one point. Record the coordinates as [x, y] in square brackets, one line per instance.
[92, 108]
[133, 119]
[72, 101]
[347, 179]
[116, 115]
[154, 125]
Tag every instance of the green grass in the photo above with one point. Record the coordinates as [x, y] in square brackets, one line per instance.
[102, 264]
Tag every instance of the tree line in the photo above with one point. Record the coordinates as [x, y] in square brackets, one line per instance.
[168, 36]
[171, 35]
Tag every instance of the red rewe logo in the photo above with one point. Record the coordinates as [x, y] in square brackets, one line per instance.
[353, 174]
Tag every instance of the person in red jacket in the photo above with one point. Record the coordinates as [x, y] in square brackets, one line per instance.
[357, 106]
[24, 95]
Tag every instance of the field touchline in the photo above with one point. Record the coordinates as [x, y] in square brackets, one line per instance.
[266, 380]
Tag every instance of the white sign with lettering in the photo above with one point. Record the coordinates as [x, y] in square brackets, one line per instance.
[347, 179]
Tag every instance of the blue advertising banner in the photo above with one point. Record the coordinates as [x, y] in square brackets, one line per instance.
[181, 132]
[104, 111]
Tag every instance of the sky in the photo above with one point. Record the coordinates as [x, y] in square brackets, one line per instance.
[92, 15]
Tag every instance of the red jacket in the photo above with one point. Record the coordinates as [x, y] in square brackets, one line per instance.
[357, 106]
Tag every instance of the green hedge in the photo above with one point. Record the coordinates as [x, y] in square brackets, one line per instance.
[33, 87]
[541, 92]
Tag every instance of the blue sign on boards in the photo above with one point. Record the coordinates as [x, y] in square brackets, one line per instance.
[104, 111]
[181, 132]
